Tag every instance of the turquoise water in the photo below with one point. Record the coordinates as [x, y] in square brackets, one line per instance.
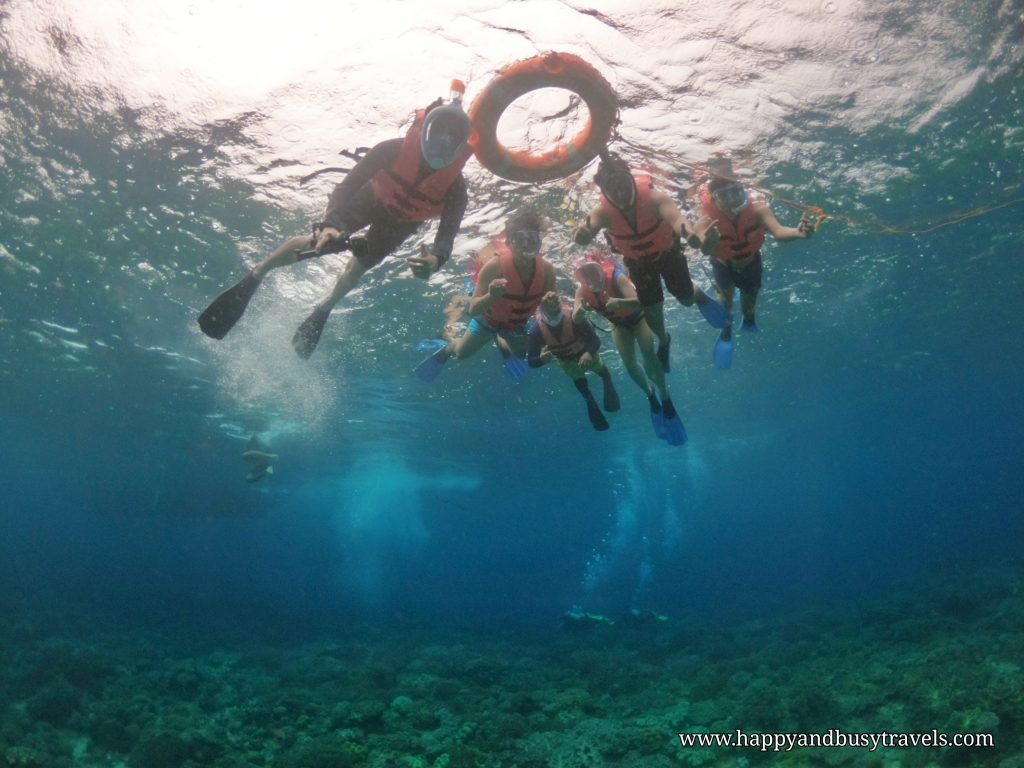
[837, 546]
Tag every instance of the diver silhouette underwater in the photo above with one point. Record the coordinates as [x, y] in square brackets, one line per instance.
[401, 183]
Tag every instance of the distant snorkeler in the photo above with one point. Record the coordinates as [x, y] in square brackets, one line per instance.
[733, 224]
[578, 620]
[259, 455]
[391, 191]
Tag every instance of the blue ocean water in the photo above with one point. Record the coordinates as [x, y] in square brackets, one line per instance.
[850, 494]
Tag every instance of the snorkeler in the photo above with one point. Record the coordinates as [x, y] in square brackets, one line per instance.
[604, 287]
[572, 342]
[735, 223]
[395, 187]
[458, 309]
[509, 289]
[647, 228]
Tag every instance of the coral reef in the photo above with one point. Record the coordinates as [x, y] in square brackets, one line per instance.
[944, 658]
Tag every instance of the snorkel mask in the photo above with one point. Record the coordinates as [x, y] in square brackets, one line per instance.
[524, 241]
[549, 316]
[445, 131]
[524, 233]
[731, 197]
[615, 181]
[591, 276]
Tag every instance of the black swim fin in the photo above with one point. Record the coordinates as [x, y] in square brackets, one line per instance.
[308, 334]
[228, 308]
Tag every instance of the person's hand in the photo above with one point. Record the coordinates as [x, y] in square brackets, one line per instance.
[545, 355]
[497, 288]
[711, 238]
[806, 225]
[329, 239]
[586, 361]
[423, 265]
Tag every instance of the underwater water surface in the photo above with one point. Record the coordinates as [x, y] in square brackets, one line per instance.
[837, 546]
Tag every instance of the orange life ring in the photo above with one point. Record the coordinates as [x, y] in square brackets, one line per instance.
[548, 70]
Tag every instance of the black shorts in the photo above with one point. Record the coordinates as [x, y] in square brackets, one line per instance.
[746, 277]
[670, 266]
[385, 232]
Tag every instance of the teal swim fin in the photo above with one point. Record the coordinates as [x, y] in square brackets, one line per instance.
[723, 351]
[675, 432]
[514, 366]
[307, 336]
[431, 366]
[657, 417]
[228, 308]
[714, 313]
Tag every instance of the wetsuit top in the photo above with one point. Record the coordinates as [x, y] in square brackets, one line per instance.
[567, 342]
[650, 236]
[383, 156]
[612, 269]
[520, 301]
[740, 238]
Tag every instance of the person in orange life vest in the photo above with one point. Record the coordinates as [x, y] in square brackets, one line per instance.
[572, 342]
[604, 287]
[645, 226]
[508, 291]
[398, 185]
[458, 309]
[732, 228]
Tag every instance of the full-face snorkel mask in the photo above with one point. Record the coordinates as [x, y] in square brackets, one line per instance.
[616, 181]
[591, 276]
[445, 131]
[731, 197]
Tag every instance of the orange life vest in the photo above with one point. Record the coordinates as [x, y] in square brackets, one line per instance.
[561, 340]
[651, 236]
[599, 304]
[397, 188]
[513, 309]
[740, 238]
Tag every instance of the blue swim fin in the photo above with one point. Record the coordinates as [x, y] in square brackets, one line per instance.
[657, 417]
[723, 352]
[514, 366]
[749, 325]
[674, 431]
[429, 345]
[431, 366]
[714, 313]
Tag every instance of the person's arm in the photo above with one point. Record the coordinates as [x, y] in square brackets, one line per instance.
[706, 228]
[535, 351]
[490, 287]
[579, 305]
[380, 156]
[667, 210]
[455, 201]
[591, 343]
[549, 276]
[588, 229]
[780, 232]
[629, 300]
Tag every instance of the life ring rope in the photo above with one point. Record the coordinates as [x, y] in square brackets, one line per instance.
[549, 70]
